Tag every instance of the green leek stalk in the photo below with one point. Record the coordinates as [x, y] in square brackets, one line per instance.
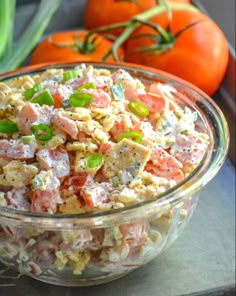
[13, 58]
[5, 24]
[11, 27]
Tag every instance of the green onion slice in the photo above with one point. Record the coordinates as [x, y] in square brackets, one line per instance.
[27, 139]
[95, 160]
[80, 99]
[8, 127]
[117, 92]
[72, 74]
[138, 108]
[28, 93]
[44, 98]
[42, 132]
[36, 183]
[89, 85]
[135, 136]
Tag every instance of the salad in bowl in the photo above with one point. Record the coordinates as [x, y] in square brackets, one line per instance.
[100, 166]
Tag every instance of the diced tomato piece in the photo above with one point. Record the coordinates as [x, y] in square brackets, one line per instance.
[95, 193]
[56, 160]
[153, 102]
[76, 83]
[45, 201]
[189, 149]
[171, 174]
[104, 147]
[163, 164]
[15, 149]
[119, 127]
[33, 114]
[60, 92]
[100, 99]
[75, 182]
[96, 242]
[34, 268]
[94, 196]
[47, 198]
[164, 160]
[82, 238]
[57, 99]
[67, 125]
[135, 233]
[17, 198]
[101, 82]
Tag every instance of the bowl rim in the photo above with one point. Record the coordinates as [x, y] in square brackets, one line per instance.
[203, 173]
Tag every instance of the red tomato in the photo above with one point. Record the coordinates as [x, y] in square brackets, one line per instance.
[44, 200]
[49, 50]
[93, 196]
[198, 55]
[153, 102]
[112, 12]
[119, 127]
[179, 1]
[100, 99]
[104, 148]
[57, 100]
[135, 233]
[116, 11]
[172, 174]
[75, 182]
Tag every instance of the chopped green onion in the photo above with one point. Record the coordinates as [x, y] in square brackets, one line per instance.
[5, 24]
[117, 92]
[80, 99]
[135, 136]
[28, 93]
[8, 127]
[13, 58]
[42, 132]
[138, 108]
[44, 98]
[9, 44]
[36, 183]
[27, 139]
[95, 160]
[72, 74]
[89, 85]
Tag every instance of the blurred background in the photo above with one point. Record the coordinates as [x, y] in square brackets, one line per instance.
[223, 12]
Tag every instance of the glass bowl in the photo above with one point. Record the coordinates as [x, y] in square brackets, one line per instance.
[35, 244]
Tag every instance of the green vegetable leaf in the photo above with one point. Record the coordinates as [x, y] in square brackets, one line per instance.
[44, 98]
[95, 160]
[31, 35]
[42, 132]
[8, 127]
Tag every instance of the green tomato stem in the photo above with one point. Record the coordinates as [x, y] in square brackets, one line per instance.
[131, 25]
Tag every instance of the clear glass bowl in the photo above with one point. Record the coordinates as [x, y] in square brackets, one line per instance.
[35, 244]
